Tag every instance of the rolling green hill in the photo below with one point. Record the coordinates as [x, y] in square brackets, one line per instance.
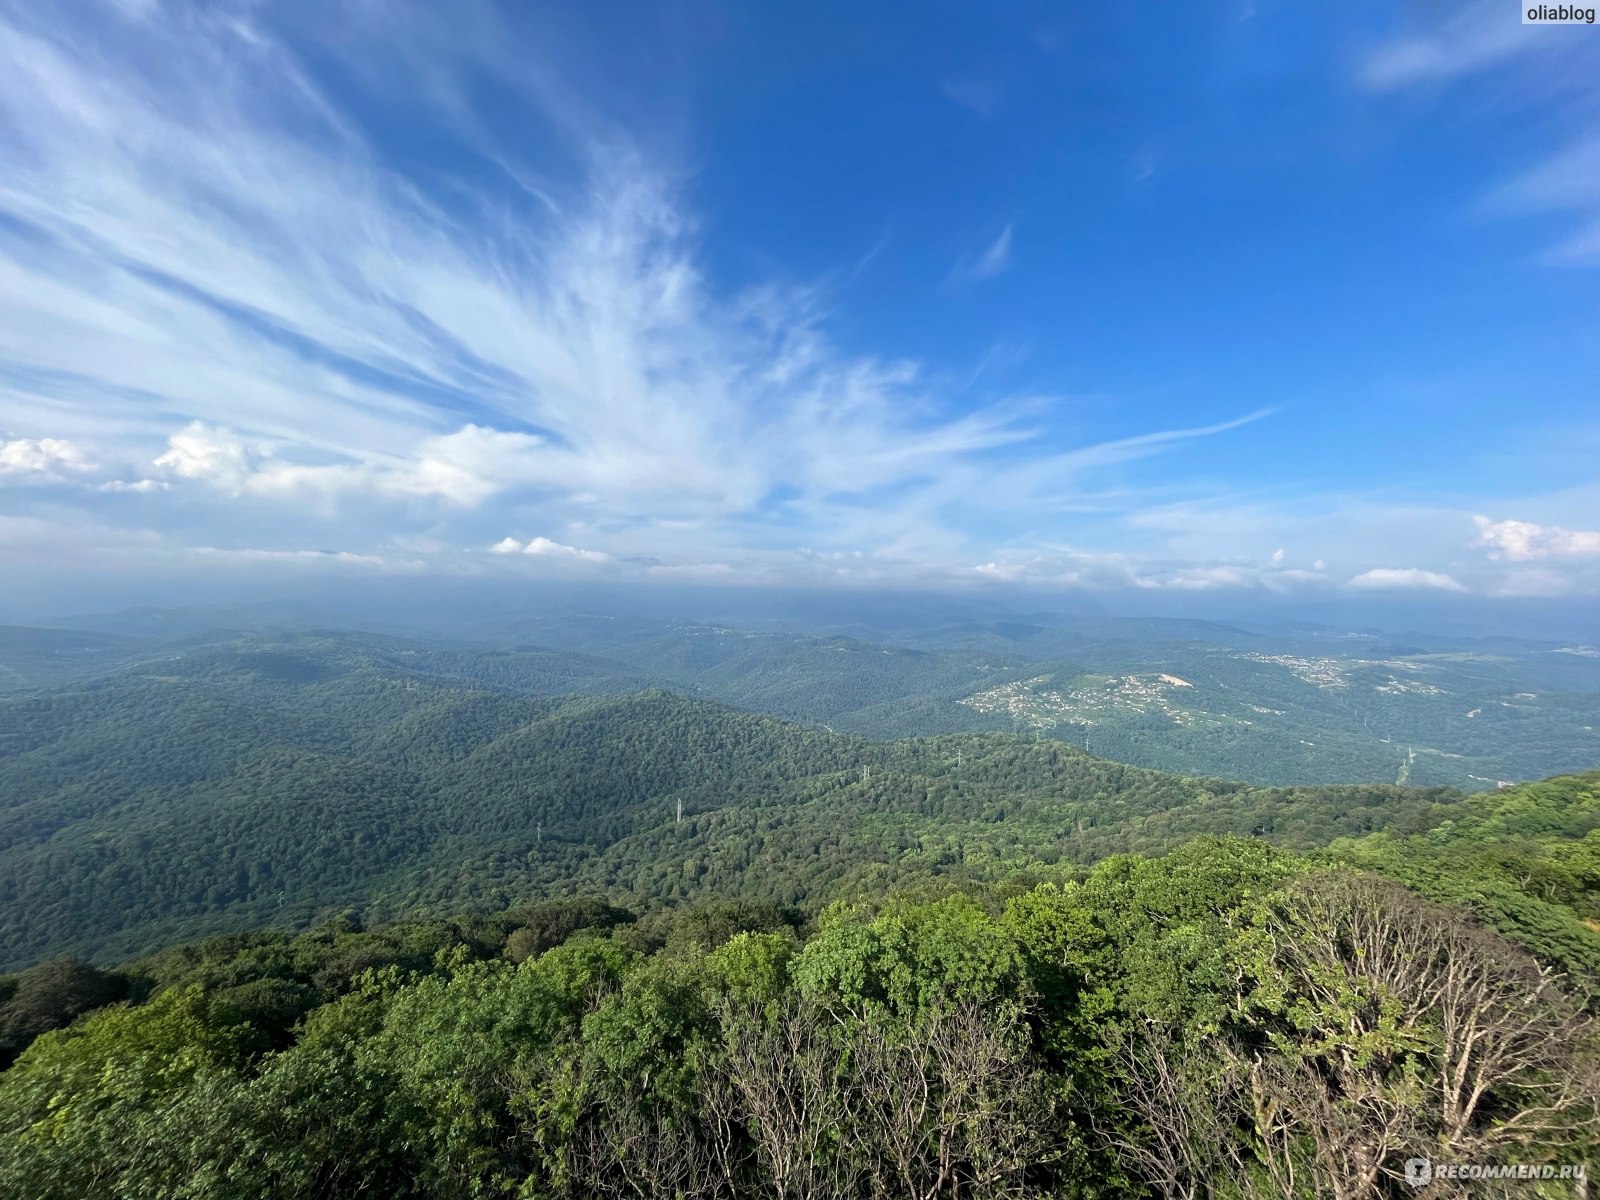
[275, 778]
[1280, 707]
[1277, 707]
[31, 658]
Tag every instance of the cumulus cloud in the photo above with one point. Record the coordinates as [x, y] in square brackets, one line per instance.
[543, 546]
[42, 457]
[200, 451]
[462, 468]
[472, 464]
[1523, 541]
[1381, 578]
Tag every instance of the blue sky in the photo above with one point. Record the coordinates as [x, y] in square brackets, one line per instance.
[1270, 299]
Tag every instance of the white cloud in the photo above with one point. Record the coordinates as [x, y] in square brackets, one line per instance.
[1474, 36]
[1061, 567]
[462, 468]
[45, 457]
[579, 353]
[1004, 572]
[992, 261]
[202, 452]
[1405, 577]
[1523, 541]
[277, 316]
[1568, 182]
[343, 558]
[271, 313]
[1533, 70]
[1201, 579]
[1120, 570]
[543, 546]
[472, 464]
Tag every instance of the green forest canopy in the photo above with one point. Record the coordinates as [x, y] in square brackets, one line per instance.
[1216, 1021]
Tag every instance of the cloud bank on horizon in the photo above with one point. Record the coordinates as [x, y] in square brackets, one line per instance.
[367, 289]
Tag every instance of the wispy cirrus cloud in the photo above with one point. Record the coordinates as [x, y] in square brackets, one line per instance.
[992, 260]
[289, 323]
[1455, 40]
[238, 320]
[1551, 76]
[1568, 183]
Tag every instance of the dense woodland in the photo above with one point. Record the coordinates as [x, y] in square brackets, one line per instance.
[1226, 1020]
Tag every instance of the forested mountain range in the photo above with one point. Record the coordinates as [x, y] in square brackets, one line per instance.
[1281, 706]
[277, 776]
[1271, 706]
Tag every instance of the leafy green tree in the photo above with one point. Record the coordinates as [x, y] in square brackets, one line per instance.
[909, 959]
[85, 1111]
[52, 995]
[541, 927]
